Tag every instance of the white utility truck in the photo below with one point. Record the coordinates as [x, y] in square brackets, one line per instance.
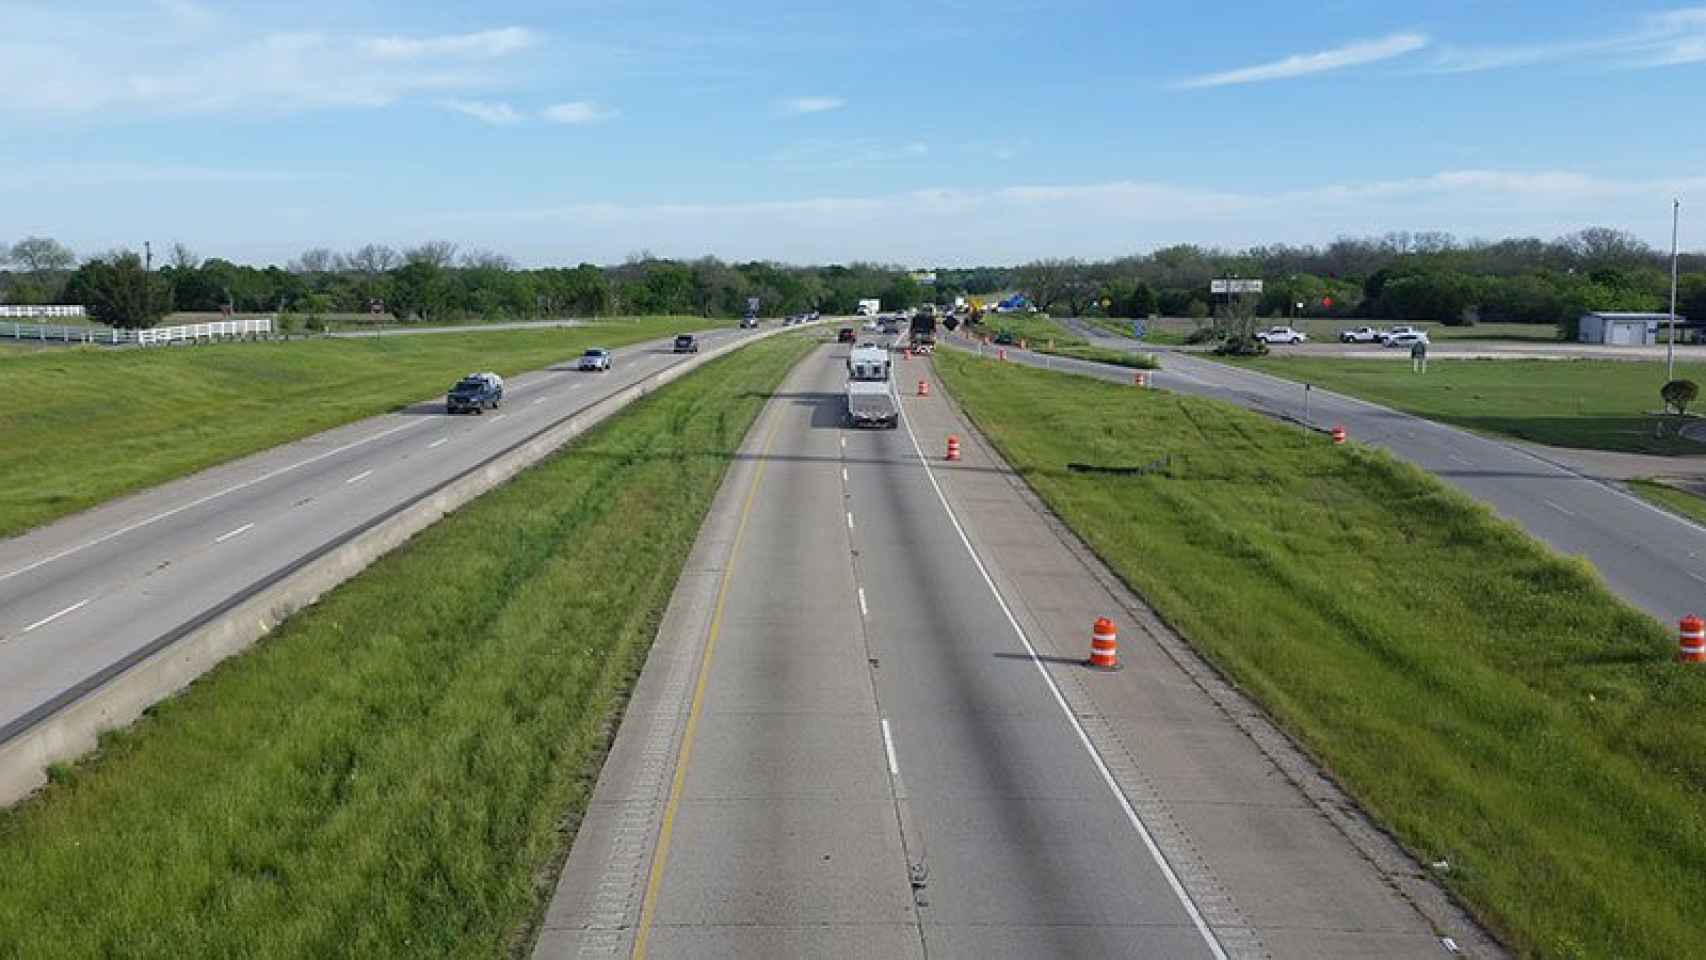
[869, 308]
[870, 390]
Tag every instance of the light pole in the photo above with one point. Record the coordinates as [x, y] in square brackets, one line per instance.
[1670, 351]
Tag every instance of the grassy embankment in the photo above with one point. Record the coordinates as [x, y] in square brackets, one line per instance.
[1044, 335]
[101, 423]
[388, 773]
[1587, 404]
[1488, 700]
[1690, 505]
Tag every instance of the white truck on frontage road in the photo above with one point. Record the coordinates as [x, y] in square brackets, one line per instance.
[870, 388]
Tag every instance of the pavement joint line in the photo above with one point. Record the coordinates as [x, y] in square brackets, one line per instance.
[660, 856]
[206, 499]
[245, 528]
[1173, 881]
[52, 617]
[363, 475]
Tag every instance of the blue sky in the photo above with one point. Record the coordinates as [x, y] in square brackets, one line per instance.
[918, 133]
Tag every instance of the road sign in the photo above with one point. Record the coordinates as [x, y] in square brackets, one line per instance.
[1137, 330]
[1235, 286]
[752, 304]
[376, 306]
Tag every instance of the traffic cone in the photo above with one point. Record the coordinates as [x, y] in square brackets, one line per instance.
[953, 448]
[1104, 645]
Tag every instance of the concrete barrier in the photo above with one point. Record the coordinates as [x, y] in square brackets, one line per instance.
[70, 724]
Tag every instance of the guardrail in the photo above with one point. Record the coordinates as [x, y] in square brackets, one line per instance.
[184, 333]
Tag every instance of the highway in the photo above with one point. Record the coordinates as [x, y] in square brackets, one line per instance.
[89, 593]
[1650, 557]
[865, 731]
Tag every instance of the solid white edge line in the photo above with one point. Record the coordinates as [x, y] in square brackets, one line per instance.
[209, 498]
[1060, 699]
[363, 475]
[228, 535]
[441, 441]
[44, 621]
[888, 747]
[864, 611]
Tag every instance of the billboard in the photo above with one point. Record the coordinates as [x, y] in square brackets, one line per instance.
[1235, 286]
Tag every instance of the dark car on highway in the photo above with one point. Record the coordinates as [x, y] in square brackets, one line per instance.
[686, 343]
[1004, 338]
[474, 393]
[844, 335]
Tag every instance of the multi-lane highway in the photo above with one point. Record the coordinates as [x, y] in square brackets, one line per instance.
[1651, 557]
[93, 591]
[865, 731]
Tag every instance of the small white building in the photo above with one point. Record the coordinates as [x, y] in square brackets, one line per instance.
[1626, 329]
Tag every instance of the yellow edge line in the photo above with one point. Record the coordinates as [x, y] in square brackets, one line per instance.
[660, 858]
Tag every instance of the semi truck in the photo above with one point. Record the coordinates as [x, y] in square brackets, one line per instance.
[870, 390]
[923, 332]
[869, 308]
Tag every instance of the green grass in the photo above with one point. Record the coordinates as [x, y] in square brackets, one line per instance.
[1489, 701]
[1587, 404]
[391, 773]
[1679, 501]
[1044, 335]
[102, 423]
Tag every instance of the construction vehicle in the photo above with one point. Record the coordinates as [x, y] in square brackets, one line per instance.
[923, 333]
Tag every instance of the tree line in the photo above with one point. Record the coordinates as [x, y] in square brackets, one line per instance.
[1430, 277]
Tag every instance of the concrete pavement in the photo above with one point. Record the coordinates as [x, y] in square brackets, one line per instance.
[97, 589]
[1649, 556]
[865, 731]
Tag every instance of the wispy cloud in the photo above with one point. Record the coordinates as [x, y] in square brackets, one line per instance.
[482, 44]
[1665, 39]
[1303, 64]
[801, 105]
[579, 112]
[1021, 222]
[494, 112]
[197, 60]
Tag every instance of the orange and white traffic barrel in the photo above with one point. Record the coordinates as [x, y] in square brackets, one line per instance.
[924, 388]
[1339, 435]
[953, 448]
[1001, 354]
[1140, 379]
[1104, 645]
[1691, 645]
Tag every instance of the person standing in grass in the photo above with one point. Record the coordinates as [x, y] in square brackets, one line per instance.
[1419, 357]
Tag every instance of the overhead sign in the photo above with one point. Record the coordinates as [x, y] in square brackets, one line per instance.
[1235, 286]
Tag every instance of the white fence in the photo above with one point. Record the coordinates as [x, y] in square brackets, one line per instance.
[185, 333]
[27, 311]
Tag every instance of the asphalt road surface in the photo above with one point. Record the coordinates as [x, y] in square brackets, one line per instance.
[1651, 557]
[866, 731]
[83, 593]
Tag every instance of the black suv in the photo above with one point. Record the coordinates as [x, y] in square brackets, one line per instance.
[686, 343]
[474, 393]
[844, 335]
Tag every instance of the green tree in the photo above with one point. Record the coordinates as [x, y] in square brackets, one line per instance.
[119, 291]
[1678, 394]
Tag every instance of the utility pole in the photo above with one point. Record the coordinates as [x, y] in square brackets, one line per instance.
[1670, 351]
[148, 256]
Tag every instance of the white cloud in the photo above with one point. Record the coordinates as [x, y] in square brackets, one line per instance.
[483, 44]
[1657, 40]
[494, 112]
[1303, 64]
[579, 112]
[68, 63]
[801, 105]
[1023, 222]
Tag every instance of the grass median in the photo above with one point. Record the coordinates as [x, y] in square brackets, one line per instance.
[1586, 404]
[90, 424]
[388, 774]
[1488, 700]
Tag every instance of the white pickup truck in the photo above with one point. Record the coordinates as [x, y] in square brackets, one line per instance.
[870, 390]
